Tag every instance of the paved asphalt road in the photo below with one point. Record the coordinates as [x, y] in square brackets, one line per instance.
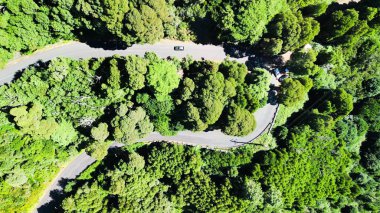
[76, 50]
[79, 50]
[215, 138]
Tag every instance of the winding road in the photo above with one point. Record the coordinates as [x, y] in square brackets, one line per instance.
[212, 139]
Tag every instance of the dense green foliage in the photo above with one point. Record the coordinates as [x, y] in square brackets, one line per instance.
[370, 111]
[131, 21]
[209, 91]
[141, 92]
[67, 105]
[310, 171]
[288, 32]
[26, 25]
[324, 163]
[245, 21]
[352, 51]
[27, 162]
[323, 156]
[294, 90]
[165, 177]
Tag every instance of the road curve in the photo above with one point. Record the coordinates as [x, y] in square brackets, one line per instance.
[164, 49]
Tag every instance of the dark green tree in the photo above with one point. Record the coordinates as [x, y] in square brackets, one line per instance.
[370, 112]
[294, 90]
[239, 121]
[338, 24]
[294, 30]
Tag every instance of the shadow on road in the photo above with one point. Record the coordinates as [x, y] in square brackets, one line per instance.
[57, 196]
[205, 30]
[102, 40]
[237, 50]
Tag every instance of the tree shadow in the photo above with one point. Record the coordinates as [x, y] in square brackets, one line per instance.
[16, 76]
[57, 197]
[265, 62]
[205, 30]
[114, 155]
[38, 64]
[103, 40]
[238, 50]
[272, 96]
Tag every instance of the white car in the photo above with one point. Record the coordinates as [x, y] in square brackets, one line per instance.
[179, 48]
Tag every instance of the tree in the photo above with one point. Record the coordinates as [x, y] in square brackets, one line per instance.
[91, 197]
[100, 133]
[31, 121]
[306, 171]
[245, 21]
[319, 121]
[316, 10]
[201, 192]
[129, 21]
[17, 178]
[352, 132]
[113, 88]
[306, 3]
[292, 29]
[146, 21]
[136, 68]
[271, 46]
[371, 87]
[256, 92]
[254, 193]
[106, 15]
[293, 90]
[239, 122]
[371, 155]
[162, 77]
[188, 87]
[193, 118]
[132, 126]
[135, 187]
[210, 97]
[338, 104]
[273, 199]
[98, 149]
[370, 112]
[62, 20]
[338, 24]
[160, 112]
[234, 70]
[65, 134]
[145, 24]
[173, 161]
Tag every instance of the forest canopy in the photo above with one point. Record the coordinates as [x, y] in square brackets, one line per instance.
[322, 154]
[57, 108]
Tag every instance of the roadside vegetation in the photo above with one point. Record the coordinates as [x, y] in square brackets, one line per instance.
[322, 155]
[57, 108]
[276, 26]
